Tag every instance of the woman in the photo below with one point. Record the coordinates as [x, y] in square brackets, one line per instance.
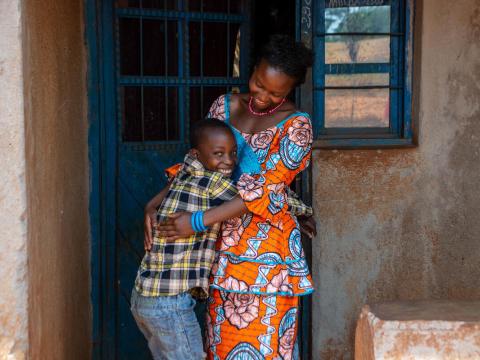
[260, 271]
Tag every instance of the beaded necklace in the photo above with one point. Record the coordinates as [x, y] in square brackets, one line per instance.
[263, 113]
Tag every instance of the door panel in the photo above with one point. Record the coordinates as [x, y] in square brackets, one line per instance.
[170, 62]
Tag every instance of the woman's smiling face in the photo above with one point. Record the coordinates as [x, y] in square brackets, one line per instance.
[269, 86]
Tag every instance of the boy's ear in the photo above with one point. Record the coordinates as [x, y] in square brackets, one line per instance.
[194, 153]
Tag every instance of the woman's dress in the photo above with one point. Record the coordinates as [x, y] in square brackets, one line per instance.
[260, 270]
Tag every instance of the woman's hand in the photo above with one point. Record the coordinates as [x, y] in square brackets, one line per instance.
[149, 223]
[176, 226]
[308, 226]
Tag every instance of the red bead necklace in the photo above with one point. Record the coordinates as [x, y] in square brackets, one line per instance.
[263, 113]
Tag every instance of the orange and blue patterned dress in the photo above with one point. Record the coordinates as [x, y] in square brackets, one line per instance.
[260, 269]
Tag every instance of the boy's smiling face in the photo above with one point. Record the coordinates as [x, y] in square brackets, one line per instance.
[217, 151]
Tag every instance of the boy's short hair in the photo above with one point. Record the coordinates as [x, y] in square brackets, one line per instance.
[199, 128]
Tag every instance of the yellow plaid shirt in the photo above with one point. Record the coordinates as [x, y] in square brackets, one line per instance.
[180, 266]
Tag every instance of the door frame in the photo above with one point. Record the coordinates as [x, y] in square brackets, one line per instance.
[102, 143]
[102, 156]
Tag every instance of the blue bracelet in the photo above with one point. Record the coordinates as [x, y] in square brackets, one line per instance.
[192, 222]
[196, 220]
[200, 221]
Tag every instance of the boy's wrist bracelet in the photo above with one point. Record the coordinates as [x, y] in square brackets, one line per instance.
[193, 222]
[200, 220]
[196, 221]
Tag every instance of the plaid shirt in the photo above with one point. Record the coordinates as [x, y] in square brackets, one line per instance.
[184, 265]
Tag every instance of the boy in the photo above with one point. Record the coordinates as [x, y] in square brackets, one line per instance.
[162, 302]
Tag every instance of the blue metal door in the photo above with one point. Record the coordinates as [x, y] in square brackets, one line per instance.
[162, 63]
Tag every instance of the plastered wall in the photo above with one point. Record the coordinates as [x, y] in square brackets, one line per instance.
[13, 202]
[405, 223]
[57, 179]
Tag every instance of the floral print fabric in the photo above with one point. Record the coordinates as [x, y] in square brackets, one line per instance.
[248, 326]
[260, 267]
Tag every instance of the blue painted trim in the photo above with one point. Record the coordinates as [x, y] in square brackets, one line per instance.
[161, 146]
[395, 109]
[95, 166]
[279, 293]
[358, 68]
[245, 44]
[178, 81]
[360, 132]
[372, 34]
[319, 69]
[176, 15]
[182, 74]
[226, 108]
[102, 179]
[362, 143]
[408, 72]
[109, 185]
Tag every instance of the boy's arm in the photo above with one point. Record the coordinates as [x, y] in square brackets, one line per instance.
[150, 212]
[296, 206]
[150, 216]
[223, 189]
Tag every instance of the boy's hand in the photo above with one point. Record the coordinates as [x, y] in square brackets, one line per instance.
[176, 226]
[149, 223]
[308, 226]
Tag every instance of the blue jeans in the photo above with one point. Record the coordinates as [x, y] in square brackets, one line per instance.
[169, 325]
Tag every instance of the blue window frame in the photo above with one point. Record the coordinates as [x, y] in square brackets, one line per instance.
[362, 77]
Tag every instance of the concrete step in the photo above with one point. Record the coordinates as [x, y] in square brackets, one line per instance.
[420, 330]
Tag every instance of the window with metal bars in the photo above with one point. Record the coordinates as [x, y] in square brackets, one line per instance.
[174, 58]
[362, 73]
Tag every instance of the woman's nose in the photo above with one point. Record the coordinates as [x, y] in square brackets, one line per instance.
[263, 97]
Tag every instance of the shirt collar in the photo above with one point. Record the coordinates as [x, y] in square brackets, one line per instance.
[193, 166]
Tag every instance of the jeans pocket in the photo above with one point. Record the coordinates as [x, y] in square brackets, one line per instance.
[185, 301]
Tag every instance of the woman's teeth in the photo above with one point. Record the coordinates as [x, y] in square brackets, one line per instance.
[259, 102]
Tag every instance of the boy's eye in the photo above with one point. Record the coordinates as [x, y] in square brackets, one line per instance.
[218, 154]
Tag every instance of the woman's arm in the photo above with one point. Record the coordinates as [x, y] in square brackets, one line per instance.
[150, 217]
[178, 225]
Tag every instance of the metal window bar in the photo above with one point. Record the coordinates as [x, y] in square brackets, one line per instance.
[141, 76]
[395, 107]
[175, 15]
[359, 87]
[165, 46]
[323, 34]
[201, 57]
[228, 48]
[180, 73]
